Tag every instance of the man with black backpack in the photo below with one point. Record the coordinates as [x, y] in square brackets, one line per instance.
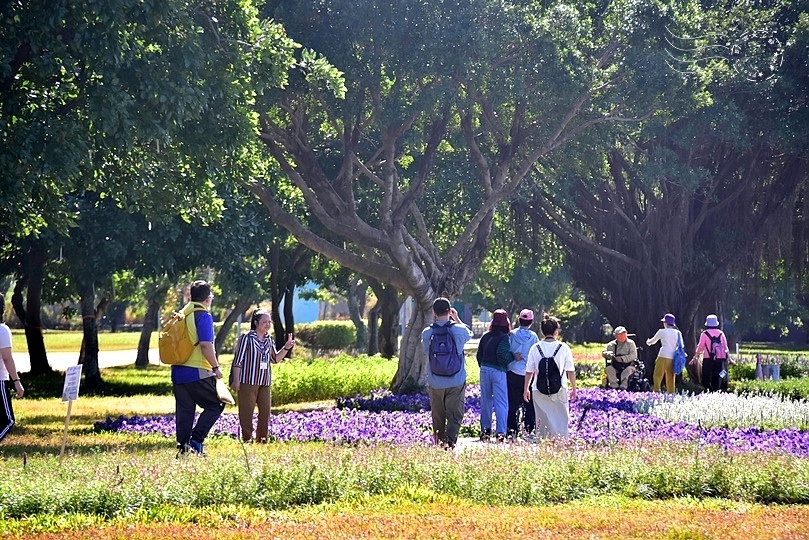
[443, 343]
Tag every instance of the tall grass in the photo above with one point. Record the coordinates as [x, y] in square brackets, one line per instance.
[124, 483]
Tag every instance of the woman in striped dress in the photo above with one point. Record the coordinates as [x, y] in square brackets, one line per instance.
[252, 375]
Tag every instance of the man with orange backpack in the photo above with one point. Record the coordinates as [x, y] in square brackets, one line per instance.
[194, 381]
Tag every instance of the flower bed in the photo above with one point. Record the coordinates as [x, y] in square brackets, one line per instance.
[598, 417]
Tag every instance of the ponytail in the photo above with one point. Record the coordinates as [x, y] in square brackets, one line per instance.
[549, 325]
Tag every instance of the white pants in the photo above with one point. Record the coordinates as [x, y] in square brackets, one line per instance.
[553, 414]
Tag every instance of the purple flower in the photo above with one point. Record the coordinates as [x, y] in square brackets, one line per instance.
[597, 417]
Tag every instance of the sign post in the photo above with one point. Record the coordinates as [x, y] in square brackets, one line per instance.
[70, 393]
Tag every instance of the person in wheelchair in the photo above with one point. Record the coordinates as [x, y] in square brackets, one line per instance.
[621, 355]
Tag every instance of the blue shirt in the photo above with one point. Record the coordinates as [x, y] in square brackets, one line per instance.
[460, 334]
[205, 332]
[522, 339]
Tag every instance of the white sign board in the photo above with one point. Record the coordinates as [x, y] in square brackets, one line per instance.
[72, 380]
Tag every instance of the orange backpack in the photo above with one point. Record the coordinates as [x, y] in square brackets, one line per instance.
[174, 344]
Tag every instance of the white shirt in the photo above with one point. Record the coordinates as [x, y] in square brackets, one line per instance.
[564, 359]
[668, 338]
[5, 343]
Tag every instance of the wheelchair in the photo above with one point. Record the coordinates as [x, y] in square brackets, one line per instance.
[638, 382]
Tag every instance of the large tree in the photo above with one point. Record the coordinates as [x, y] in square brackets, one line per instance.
[448, 108]
[146, 102]
[660, 221]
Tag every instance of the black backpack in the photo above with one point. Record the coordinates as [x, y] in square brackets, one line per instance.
[549, 379]
[445, 360]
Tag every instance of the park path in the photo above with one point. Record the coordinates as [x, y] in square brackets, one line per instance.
[61, 360]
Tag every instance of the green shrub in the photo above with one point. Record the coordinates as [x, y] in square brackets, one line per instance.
[327, 335]
[794, 389]
[323, 379]
[741, 372]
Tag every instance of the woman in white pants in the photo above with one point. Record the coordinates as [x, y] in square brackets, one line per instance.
[552, 409]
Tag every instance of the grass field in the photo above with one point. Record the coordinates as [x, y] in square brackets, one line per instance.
[126, 485]
[70, 341]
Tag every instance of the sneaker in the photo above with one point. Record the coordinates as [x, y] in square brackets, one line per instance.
[196, 447]
[529, 437]
[182, 450]
[486, 435]
[501, 437]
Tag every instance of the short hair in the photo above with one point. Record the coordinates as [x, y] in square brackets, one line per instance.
[256, 316]
[549, 325]
[441, 306]
[200, 290]
[2, 306]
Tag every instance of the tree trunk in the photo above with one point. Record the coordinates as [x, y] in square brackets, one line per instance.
[411, 375]
[155, 301]
[389, 302]
[355, 299]
[91, 371]
[289, 318]
[239, 308]
[31, 317]
[99, 314]
[373, 329]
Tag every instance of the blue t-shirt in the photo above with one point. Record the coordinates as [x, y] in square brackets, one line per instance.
[460, 334]
[205, 332]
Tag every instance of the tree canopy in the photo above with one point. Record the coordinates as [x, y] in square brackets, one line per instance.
[658, 221]
[448, 108]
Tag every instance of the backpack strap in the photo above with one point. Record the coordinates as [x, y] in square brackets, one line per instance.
[449, 324]
[541, 355]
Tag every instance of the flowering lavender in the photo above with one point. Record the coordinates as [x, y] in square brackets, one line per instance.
[598, 417]
[385, 400]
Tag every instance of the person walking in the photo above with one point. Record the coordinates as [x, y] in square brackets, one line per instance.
[194, 382]
[621, 353]
[669, 337]
[494, 356]
[10, 385]
[445, 386]
[522, 339]
[252, 374]
[552, 410]
[714, 344]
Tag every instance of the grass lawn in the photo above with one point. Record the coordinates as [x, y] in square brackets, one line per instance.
[70, 341]
[104, 472]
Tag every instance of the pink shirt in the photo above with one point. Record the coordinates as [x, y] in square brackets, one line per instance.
[704, 346]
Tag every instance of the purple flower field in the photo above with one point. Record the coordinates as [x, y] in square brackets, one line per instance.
[598, 417]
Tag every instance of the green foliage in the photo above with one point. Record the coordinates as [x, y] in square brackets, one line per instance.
[794, 389]
[300, 381]
[327, 335]
[126, 102]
